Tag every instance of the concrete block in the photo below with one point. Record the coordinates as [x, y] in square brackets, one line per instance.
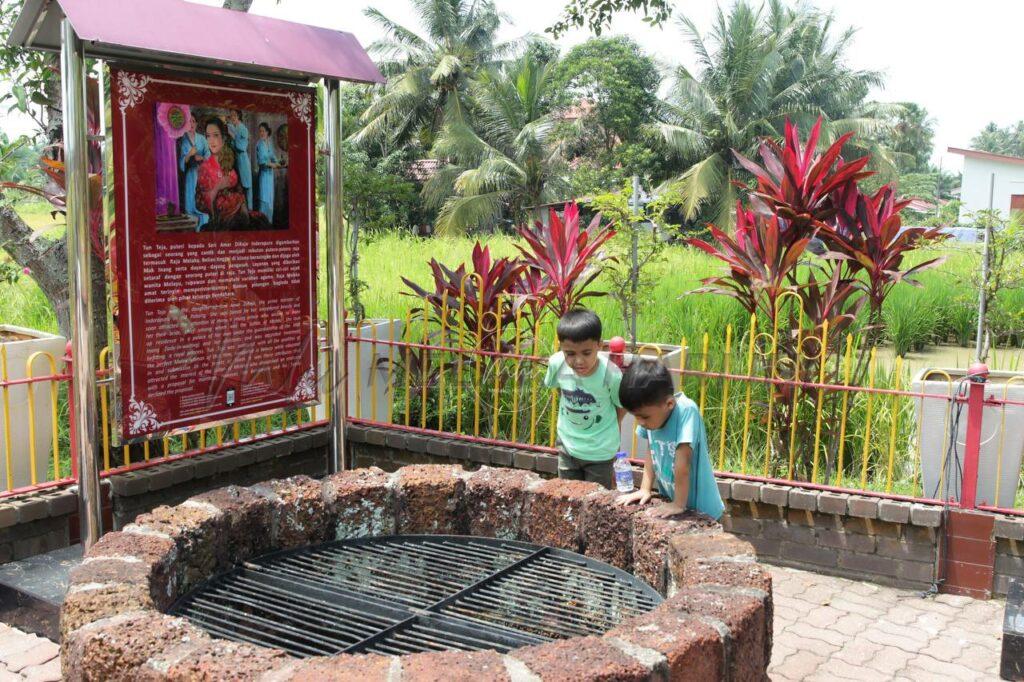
[204, 466]
[920, 572]
[894, 511]
[62, 503]
[910, 551]
[31, 508]
[746, 491]
[439, 447]
[396, 439]
[458, 449]
[833, 503]
[480, 453]
[376, 436]
[1008, 564]
[8, 515]
[926, 515]
[765, 547]
[807, 554]
[742, 525]
[777, 495]
[803, 499]
[851, 542]
[525, 460]
[356, 433]
[724, 488]
[415, 443]
[131, 483]
[547, 464]
[869, 563]
[502, 457]
[1009, 527]
[863, 507]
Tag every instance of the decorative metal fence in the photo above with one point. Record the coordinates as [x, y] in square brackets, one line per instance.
[812, 409]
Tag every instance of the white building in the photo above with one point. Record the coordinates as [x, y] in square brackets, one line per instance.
[979, 168]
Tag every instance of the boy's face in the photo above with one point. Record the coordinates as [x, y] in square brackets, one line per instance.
[654, 416]
[581, 356]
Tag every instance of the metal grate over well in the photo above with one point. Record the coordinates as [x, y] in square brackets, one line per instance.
[407, 594]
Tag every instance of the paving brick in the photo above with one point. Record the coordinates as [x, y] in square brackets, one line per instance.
[777, 495]
[47, 672]
[925, 515]
[833, 503]
[40, 653]
[746, 491]
[1009, 527]
[894, 511]
[803, 499]
[863, 507]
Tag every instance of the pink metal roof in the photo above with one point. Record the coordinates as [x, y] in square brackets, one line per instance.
[181, 33]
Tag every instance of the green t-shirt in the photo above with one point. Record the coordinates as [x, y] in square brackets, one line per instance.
[588, 426]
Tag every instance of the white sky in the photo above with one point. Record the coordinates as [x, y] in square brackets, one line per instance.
[957, 58]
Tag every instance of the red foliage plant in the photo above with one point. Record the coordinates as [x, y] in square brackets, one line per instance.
[566, 258]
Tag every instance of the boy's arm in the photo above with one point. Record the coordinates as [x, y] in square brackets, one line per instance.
[681, 469]
[620, 412]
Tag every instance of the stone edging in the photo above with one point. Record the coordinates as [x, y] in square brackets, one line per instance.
[715, 624]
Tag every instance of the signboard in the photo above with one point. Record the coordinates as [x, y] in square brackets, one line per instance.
[214, 250]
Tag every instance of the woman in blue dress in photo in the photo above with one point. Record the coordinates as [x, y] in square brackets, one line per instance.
[267, 162]
[192, 151]
[239, 135]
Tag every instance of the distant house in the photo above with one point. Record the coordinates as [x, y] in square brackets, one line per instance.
[979, 167]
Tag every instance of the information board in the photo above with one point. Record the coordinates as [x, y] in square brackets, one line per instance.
[213, 261]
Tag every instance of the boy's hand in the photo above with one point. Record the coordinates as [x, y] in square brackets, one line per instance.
[639, 496]
[668, 509]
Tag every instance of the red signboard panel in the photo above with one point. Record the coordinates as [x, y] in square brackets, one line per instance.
[214, 256]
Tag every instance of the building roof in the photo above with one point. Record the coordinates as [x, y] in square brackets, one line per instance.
[184, 34]
[989, 156]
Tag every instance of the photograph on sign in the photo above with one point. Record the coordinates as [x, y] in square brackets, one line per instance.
[220, 169]
[214, 262]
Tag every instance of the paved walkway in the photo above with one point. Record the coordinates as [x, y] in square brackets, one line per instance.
[27, 657]
[825, 629]
[834, 629]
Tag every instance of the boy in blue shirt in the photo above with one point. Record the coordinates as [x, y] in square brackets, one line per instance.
[588, 407]
[678, 461]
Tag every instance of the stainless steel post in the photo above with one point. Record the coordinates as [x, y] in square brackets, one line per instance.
[76, 169]
[336, 277]
[981, 344]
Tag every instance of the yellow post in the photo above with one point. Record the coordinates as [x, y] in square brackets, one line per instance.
[167, 446]
[423, 366]
[358, 408]
[408, 381]
[105, 411]
[145, 451]
[682, 363]
[797, 377]
[1002, 435]
[477, 365]
[236, 431]
[725, 397]
[533, 384]
[373, 372]
[894, 409]
[867, 427]
[515, 377]
[7, 417]
[440, 366]
[773, 373]
[497, 372]
[746, 402]
[29, 374]
[390, 386]
[822, 359]
[846, 402]
[458, 358]
[703, 368]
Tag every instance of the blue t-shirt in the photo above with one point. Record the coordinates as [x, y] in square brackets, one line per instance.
[684, 426]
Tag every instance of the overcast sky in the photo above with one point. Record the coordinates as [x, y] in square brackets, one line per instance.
[958, 58]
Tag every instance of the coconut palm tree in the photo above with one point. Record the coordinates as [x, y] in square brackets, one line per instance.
[428, 72]
[508, 161]
[756, 68]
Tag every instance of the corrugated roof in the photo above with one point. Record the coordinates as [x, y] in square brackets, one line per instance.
[185, 34]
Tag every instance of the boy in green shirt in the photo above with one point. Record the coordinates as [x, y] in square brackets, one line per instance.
[589, 410]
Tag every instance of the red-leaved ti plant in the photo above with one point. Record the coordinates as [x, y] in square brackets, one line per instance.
[567, 257]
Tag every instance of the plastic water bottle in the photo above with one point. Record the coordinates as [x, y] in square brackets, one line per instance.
[623, 473]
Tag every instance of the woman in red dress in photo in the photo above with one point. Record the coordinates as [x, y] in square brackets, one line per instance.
[218, 192]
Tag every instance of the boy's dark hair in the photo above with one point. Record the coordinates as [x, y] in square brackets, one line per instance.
[579, 325]
[645, 382]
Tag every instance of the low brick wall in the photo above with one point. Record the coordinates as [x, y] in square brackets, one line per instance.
[715, 623]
